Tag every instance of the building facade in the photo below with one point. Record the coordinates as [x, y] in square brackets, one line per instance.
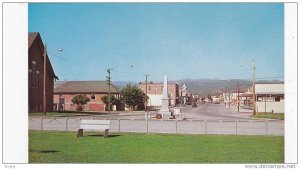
[183, 94]
[269, 98]
[155, 90]
[94, 90]
[36, 75]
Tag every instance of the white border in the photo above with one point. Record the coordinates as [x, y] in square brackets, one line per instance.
[15, 85]
[290, 53]
[14, 79]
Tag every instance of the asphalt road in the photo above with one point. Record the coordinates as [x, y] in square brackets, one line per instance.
[211, 111]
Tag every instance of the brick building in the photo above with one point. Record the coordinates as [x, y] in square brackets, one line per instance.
[36, 75]
[155, 90]
[94, 90]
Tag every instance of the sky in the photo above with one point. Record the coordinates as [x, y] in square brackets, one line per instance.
[180, 40]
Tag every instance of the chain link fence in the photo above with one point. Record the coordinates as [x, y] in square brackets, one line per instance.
[231, 127]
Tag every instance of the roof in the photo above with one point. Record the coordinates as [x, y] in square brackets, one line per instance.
[34, 36]
[269, 88]
[58, 83]
[85, 87]
[31, 38]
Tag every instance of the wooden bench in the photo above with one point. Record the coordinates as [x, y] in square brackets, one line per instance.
[94, 125]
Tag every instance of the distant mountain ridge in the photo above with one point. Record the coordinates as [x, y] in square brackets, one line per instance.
[203, 87]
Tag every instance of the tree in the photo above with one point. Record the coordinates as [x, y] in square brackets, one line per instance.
[105, 99]
[80, 100]
[132, 96]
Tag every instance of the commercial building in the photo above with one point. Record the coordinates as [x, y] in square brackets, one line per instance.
[269, 98]
[155, 90]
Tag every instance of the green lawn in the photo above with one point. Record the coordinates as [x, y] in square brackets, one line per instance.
[269, 115]
[64, 147]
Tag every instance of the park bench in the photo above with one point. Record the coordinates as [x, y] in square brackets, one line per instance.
[94, 125]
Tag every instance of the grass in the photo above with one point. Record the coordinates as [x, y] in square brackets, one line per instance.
[269, 115]
[64, 147]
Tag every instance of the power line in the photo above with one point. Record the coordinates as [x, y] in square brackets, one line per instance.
[56, 56]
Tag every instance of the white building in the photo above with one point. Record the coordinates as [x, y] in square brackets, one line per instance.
[269, 98]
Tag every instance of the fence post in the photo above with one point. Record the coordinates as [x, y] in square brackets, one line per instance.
[176, 125]
[236, 127]
[67, 124]
[147, 125]
[266, 127]
[205, 125]
[119, 124]
[42, 123]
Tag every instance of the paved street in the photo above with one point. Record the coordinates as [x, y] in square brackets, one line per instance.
[211, 111]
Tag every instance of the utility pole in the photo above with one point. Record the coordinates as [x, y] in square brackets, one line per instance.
[229, 98]
[44, 81]
[108, 79]
[238, 90]
[253, 87]
[146, 100]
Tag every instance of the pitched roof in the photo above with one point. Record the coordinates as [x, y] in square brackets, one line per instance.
[85, 87]
[32, 37]
[269, 88]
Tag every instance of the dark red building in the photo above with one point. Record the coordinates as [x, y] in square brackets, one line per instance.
[36, 75]
[64, 93]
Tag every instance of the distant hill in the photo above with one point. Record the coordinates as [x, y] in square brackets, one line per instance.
[122, 84]
[203, 87]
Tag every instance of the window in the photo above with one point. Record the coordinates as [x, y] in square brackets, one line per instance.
[37, 79]
[277, 99]
[93, 96]
[29, 77]
[34, 73]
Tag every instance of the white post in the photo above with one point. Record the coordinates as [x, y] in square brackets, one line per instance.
[66, 124]
[205, 124]
[119, 124]
[147, 125]
[236, 127]
[266, 127]
[42, 123]
[176, 124]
